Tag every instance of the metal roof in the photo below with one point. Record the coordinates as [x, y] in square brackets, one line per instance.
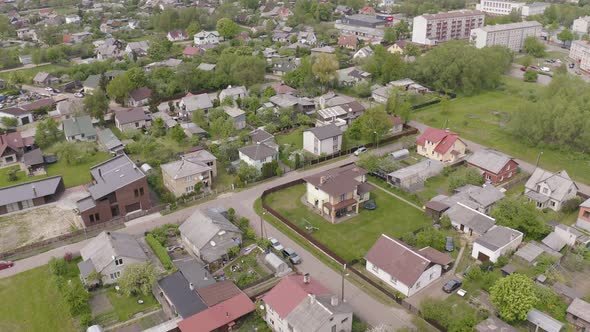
[544, 321]
[113, 174]
[29, 190]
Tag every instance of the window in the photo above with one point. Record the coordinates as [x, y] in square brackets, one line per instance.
[586, 214]
[94, 217]
[393, 280]
[508, 167]
[342, 197]
[190, 189]
[137, 125]
[375, 268]
[344, 320]
[553, 203]
[545, 190]
[333, 328]
[115, 275]
[136, 192]
[118, 261]
[418, 285]
[141, 192]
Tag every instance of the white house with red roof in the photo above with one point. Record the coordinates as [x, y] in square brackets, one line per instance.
[219, 317]
[441, 145]
[299, 303]
[404, 268]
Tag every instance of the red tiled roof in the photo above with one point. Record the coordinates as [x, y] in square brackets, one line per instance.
[190, 51]
[13, 141]
[346, 40]
[289, 293]
[443, 139]
[282, 88]
[219, 315]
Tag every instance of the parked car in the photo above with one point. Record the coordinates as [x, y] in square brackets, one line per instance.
[6, 264]
[572, 65]
[449, 245]
[360, 150]
[78, 95]
[452, 285]
[523, 68]
[50, 89]
[276, 244]
[292, 255]
[545, 69]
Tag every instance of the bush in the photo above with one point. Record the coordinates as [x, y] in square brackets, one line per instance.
[58, 266]
[68, 256]
[243, 224]
[161, 233]
[160, 252]
[571, 205]
[250, 234]
[231, 214]
[531, 76]
[77, 298]
[233, 252]
[86, 319]
[464, 177]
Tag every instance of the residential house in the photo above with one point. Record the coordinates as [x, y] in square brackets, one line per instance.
[404, 268]
[191, 129]
[408, 85]
[282, 88]
[191, 51]
[91, 83]
[583, 221]
[132, 119]
[119, 188]
[177, 35]
[76, 38]
[73, 18]
[108, 254]
[208, 235]
[494, 324]
[398, 124]
[79, 129]
[495, 166]
[398, 47]
[307, 37]
[259, 154]
[300, 104]
[578, 314]
[279, 36]
[325, 140]
[332, 116]
[441, 145]
[300, 303]
[27, 34]
[478, 198]
[469, 220]
[348, 41]
[237, 115]
[206, 37]
[496, 242]
[412, 177]
[34, 162]
[139, 97]
[193, 170]
[30, 194]
[260, 135]
[233, 93]
[561, 236]
[282, 66]
[137, 49]
[349, 104]
[363, 53]
[45, 79]
[342, 10]
[23, 116]
[338, 191]
[550, 190]
[110, 49]
[531, 251]
[190, 103]
[581, 25]
[511, 35]
[110, 142]
[352, 76]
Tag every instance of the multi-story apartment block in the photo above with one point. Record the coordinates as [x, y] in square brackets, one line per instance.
[510, 35]
[499, 7]
[435, 28]
[581, 25]
[580, 52]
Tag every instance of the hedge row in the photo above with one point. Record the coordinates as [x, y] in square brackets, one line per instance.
[160, 251]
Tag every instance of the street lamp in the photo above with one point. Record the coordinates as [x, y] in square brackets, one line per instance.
[262, 224]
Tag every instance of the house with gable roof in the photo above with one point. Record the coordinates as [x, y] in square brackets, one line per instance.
[584, 215]
[441, 145]
[550, 190]
[323, 140]
[496, 242]
[182, 177]
[259, 153]
[469, 220]
[495, 166]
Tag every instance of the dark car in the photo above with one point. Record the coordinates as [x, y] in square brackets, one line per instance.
[449, 245]
[572, 65]
[6, 264]
[452, 285]
[292, 255]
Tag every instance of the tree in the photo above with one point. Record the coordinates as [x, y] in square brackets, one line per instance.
[522, 215]
[390, 35]
[9, 122]
[324, 68]
[374, 123]
[119, 88]
[247, 173]
[96, 104]
[411, 49]
[47, 133]
[369, 161]
[531, 76]
[158, 128]
[464, 177]
[527, 61]
[137, 77]
[227, 28]
[514, 296]
[192, 29]
[565, 36]
[159, 49]
[534, 47]
[138, 279]
[177, 133]
[70, 152]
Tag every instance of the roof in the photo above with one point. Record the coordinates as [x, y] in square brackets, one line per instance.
[41, 76]
[177, 289]
[233, 112]
[290, 292]
[13, 141]
[113, 174]
[436, 256]
[258, 151]
[490, 160]
[189, 164]
[453, 14]
[544, 321]
[443, 139]
[195, 102]
[218, 292]
[586, 203]
[511, 26]
[131, 115]
[233, 91]
[108, 139]
[498, 237]
[580, 309]
[494, 324]
[219, 315]
[559, 183]
[29, 190]
[331, 112]
[194, 272]
[337, 181]
[79, 125]
[281, 88]
[425, 169]
[33, 157]
[484, 196]
[554, 241]
[140, 94]
[107, 246]
[316, 311]
[260, 135]
[566, 291]
[86, 268]
[92, 81]
[206, 66]
[365, 18]
[325, 132]
[190, 50]
[463, 215]
[398, 259]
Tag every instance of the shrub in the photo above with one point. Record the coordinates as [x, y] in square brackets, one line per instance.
[445, 222]
[571, 205]
[231, 214]
[58, 266]
[68, 256]
[233, 252]
[243, 224]
[531, 76]
[86, 319]
[77, 298]
[250, 234]
[160, 252]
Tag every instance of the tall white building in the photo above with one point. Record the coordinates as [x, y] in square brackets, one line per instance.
[431, 29]
[581, 25]
[499, 7]
[535, 8]
[511, 35]
[580, 52]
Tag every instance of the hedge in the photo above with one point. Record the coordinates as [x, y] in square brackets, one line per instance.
[160, 251]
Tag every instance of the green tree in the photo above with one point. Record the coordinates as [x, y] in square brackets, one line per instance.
[390, 35]
[138, 279]
[177, 134]
[374, 123]
[158, 128]
[70, 152]
[514, 296]
[137, 77]
[159, 49]
[227, 28]
[522, 215]
[531, 76]
[369, 161]
[464, 177]
[96, 104]
[412, 49]
[119, 88]
[565, 36]
[47, 133]
[534, 47]
[247, 173]
[192, 29]
[324, 68]
[9, 122]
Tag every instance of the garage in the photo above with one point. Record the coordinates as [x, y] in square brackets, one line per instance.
[483, 257]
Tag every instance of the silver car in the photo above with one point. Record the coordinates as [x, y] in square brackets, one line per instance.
[292, 255]
[276, 245]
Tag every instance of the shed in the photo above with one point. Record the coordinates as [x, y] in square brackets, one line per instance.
[544, 322]
[277, 265]
[400, 154]
[146, 168]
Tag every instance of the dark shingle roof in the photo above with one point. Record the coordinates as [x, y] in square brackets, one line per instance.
[29, 190]
[177, 290]
[327, 131]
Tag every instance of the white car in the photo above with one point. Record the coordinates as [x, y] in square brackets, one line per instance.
[275, 244]
[49, 89]
[78, 95]
[360, 150]
[545, 69]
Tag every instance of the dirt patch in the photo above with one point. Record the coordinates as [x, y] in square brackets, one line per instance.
[17, 230]
[100, 304]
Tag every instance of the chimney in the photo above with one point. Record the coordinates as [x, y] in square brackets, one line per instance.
[306, 278]
[312, 298]
[322, 179]
[334, 301]
[34, 190]
[100, 172]
[191, 286]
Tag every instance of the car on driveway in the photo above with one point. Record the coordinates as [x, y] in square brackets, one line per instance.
[276, 245]
[452, 285]
[292, 255]
[6, 264]
[449, 245]
[360, 150]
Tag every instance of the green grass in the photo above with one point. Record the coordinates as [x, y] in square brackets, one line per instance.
[541, 61]
[126, 307]
[223, 180]
[351, 239]
[21, 177]
[32, 303]
[28, 73]
[75, 175]
[294, 138]
[249, 271]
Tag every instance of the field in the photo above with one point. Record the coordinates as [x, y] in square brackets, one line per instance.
[75, 175]
[351, 239]
[28, 73]
[21, 177]
[483, 119]
[293, 139]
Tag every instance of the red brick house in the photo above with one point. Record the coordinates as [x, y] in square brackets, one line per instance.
[584, 216]
[495, 166]
[118, 188]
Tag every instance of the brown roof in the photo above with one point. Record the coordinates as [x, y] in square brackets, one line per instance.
[140, 94]
[337, 181]
[365, 188]
[13, 141]
[131, 115]
[436, 206]
[218, 292]
[38, 104]
[346, 40]
[436, 256]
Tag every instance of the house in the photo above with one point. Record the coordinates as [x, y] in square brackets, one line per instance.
[282, 88]
[441, 145]
[34, 162]
[68, 108]
[190, 103]
[495, 166]
[578, 314]
[468, 220]
[413, 177]
[299, 104]
[363, 53]
[478, 198]
[338, 191]
[79, 129]
[109, 141]
[567, 294]
[206, 66]
[332, 116]
[496, 242]
[550, 190]
[307, 37]
[30, 194]
[323, 50]
[398, 124]
[169, 63]
[348, 41]
[118, 188]
[233, 93]
[325, 140]
[139, 97]
[342, 10]
[191, 51]
[349, 104]
[108, 254]
[300, 303]
[132, 119]
[194, 169]
[44, 79]
[404, 268]
[540, 321]
[259, 154]
[191, 129]
[583, 221]
[110, 49]
[206, 37]
[21, 115]
[260, 135]
[177, 35]
[208, 235]
[494, 324]
[531, 251]
[352, 76]
[72, 19]
[282, 66]
[237, 115]
[139, 48]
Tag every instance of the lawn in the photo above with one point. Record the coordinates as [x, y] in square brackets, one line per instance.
[351, 239]
[33, 303]
[75, 175]
[21, 177]
[483, 118]
[126, 307]
[294, 138]
[28, 73]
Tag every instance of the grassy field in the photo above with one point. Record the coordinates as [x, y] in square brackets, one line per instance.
[21, 177]
[126, 307]
[293, 138]
[32, 303]
[75, 175]
[351, 239]
[28, 73]
[483, 118]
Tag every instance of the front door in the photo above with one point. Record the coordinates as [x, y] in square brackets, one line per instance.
[483, 257]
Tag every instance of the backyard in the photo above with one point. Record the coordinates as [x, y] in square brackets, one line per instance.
[110, 307]
[28, 73]
[21, 176]
[246, 269]
[75, 175]
[351, 239]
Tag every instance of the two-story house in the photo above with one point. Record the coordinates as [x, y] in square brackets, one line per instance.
[132, 119]
[441, 145]
[259, 154]
[118, 188]
[338, 191]
[13, 146]
[206, 37]
[584, 215]
[190, 103]
[194, 169]
[108, 254]
[323, 140]
[495, 166]
[550, 190]
[404, 268]
[177, 35]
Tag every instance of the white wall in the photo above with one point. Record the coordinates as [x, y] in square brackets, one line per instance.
[429, 276]
[313, 194]
[419, 31]
[256, 163]
[580, 26]
[494, 255]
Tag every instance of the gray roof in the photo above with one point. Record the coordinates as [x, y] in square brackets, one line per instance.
[86, 268]
[325, 132]
[29, 190]
[195, 102]
[314, 312]
[33, 157]
[195, 272]
[483, 196]
[475, 220]
[498, 237]
[260, 135]
[41, 76]
[586, 203]
[511, 26]
[580, 309]
[79, 125]
[258, 151]
[233, 112]
[113, 174]
[206, 66]
[231, 91]
[566, 291]
[70, 106]
[494, 324]
[177, 289]
[560, 183]
[109, 140]
[425, 169]
[544, 321]
[107, 246]
[533, 249]
[92, 81]
[490, 160]
[131, 115]
[189, 164]
[85, 204]
[554, 241]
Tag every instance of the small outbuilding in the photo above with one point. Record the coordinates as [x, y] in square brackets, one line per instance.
[279, 266]
[540, 321]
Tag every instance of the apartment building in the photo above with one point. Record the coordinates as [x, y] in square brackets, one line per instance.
[499, 7]
[431, 29]
[511, 35]
[581, 25]
[580, 52]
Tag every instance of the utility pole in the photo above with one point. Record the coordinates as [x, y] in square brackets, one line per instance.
[538, 159]
[342, 290]
[262, 224]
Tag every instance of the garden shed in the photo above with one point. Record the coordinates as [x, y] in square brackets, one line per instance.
[279, 267]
